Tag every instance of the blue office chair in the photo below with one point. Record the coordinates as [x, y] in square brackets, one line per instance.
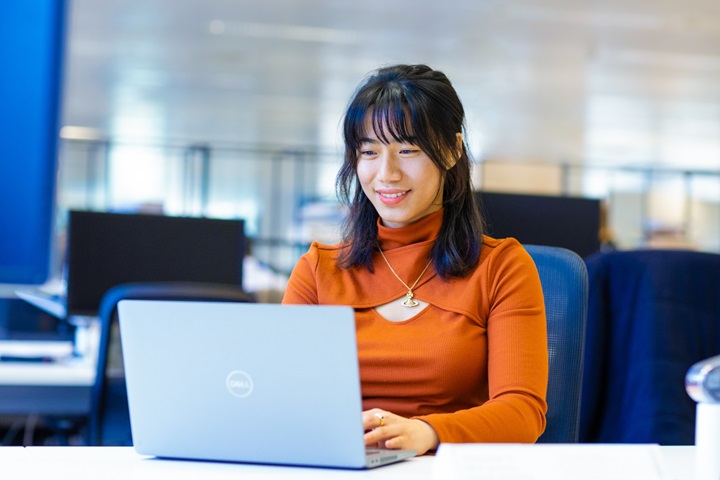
[109, 422]
[564, 280]
[652, 314]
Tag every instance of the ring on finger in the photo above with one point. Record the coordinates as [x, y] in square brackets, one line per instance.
[382, 419]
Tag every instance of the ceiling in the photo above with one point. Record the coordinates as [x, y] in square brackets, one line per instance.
[624, 82]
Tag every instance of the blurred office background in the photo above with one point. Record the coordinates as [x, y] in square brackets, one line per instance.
[232, 108]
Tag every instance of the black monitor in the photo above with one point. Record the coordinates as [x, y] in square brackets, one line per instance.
[32, 37]
[107, 249]
[562, 221]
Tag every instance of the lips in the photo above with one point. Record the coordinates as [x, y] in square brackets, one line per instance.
[392, 197]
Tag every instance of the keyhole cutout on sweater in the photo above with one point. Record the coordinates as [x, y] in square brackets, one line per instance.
[395, 311]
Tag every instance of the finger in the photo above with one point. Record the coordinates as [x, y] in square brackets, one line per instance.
[380, 435]
[374, 418]
[381, 419]
[372, 438]
[395, 442]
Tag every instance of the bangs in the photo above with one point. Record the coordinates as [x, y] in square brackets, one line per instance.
[393, 112]
[390, 120]
[390, 123]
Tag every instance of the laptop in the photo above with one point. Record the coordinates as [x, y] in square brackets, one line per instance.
[246, 382]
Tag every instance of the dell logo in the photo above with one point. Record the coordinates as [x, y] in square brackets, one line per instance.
[239, 383]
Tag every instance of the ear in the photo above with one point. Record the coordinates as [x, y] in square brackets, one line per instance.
[457, 152]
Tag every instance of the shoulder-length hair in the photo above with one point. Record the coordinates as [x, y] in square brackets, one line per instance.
[418, 105]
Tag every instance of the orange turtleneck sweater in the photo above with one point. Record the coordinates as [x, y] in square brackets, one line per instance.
[473, 364]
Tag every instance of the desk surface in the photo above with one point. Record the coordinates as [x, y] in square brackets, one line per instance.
[46, 388]
[60, 463]
[59, 387]
[76, 372]
[68, 370]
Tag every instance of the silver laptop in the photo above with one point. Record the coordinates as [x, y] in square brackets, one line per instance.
[246, 382]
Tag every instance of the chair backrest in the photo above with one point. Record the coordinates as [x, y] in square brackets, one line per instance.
[564, 280]
[109, 422]
[652, 314]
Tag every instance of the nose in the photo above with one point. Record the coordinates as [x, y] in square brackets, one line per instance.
[389, 168]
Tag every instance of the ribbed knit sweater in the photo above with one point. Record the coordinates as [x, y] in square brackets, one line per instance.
[473, 364]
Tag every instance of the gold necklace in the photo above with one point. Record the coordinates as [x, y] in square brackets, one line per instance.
[409, 301]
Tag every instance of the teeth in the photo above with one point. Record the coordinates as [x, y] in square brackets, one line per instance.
[393, 195]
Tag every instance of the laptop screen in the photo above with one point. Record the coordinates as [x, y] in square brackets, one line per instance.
[107, 249]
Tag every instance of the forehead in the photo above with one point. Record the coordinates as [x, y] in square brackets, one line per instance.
[387, 125]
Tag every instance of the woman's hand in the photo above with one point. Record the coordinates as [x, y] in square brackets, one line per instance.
[387, 430]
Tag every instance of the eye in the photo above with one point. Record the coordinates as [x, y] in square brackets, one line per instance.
[409, 151]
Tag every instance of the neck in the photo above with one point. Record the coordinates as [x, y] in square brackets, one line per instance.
[424, 230]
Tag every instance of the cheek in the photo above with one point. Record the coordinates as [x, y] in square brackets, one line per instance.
[429, 177]
[365, 173]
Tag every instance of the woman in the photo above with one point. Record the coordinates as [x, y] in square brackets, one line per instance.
[450, 323]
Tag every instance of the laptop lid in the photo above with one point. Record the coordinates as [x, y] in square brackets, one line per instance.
[247, 382]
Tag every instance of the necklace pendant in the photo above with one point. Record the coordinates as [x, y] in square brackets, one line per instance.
[410, 301]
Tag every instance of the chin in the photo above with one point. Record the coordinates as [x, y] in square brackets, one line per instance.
[395, 221]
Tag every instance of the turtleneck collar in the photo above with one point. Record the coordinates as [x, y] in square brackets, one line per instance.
[425, 229]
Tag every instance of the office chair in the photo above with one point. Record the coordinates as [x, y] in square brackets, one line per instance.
[564, 280]
[109, 422]
[652, 314]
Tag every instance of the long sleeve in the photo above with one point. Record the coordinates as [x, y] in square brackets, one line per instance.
[516, 361]
[473, 364]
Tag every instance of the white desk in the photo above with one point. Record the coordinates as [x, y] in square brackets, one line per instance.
[57, 388]
[46, 388]
[109, 463]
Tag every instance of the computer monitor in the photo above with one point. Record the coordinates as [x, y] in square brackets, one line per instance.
[559, 221]
[32, 39]
[107, 249]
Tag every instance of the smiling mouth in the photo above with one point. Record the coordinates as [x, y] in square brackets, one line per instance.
[393, 195]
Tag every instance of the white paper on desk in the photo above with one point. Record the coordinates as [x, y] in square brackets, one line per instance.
[35, 348]
[549, 462]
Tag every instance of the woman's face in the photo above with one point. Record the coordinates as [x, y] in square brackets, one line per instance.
[401, 181]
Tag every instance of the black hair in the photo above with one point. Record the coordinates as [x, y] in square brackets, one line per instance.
[418, 105]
